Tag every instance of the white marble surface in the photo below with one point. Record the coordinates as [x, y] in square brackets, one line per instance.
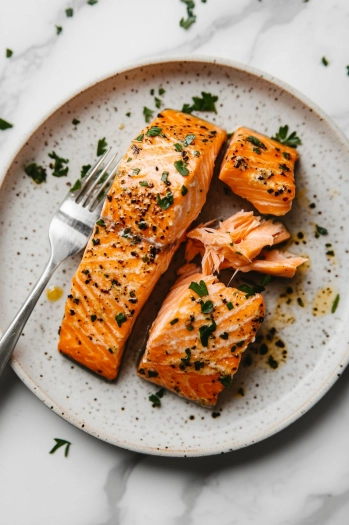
[301, 475]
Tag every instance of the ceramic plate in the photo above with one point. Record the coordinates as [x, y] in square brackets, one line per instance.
[302, 347]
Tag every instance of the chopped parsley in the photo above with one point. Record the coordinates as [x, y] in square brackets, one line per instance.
[291, 140]
[181, 168]
[205, 103]
[199, 288]
[320, 230]
[286, 155]
[93, 318]
[161, 91]
[186, 23]
[160, 393]
[207, 307]
[69, 12]
[335, 303]
[324, 61]
[102, 147]
[61, 443]
[144, 183]
[206, 331]
[198, 365]
[225, 380]
[120, 318]
[76, 186]
[92, 2]
[188, 140]
[101, 222]
[257, 150]
[96, 242]
[59, 29]
[5, 125]
[196, 153]
[230, 305]
[224, 335]
[154, 131]
[36, 173]
[148, 114]
[186, 360]
[283, 167]
[59, 170]
[136, 171]
[165, 202]
[174, 321]
[140, 138]
[155, 400]
[75, 121]
[164, 178]
[178, 147]
[84, 170]
[157, 102]
[9, 53]
[348, 70]
[256, 142]
[184, 190]
[249, 290]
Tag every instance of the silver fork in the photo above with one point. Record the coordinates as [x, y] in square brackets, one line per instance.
[69, 232]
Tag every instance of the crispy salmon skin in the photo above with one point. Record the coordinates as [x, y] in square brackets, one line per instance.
[260, 170]
[196, 342]
[160, 188]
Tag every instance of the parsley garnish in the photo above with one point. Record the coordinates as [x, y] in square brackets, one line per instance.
[181, 168]
[206, 331]
[286, 155]
[165, 202]
[257, 150]
[155, 400]
[187, 22]
[320, 230]
[230, 305]
[84, 170]
[324, 61]
[102, 147]
[76, 186]
[164, 178]
[69, 12]
[292, 140]
[256, 142]
[184, 190]
[199, 288]
[93, 318]
[96, 242]
[206, 103]
[188, 140]
[59, 29]
[207, 307]
[335, 303]
[35, 172]
[9, 53]
[160, 393]
[154, 131]
[92, 2]
[225, 380]
[178, 147]
[101, 222]
[198, 365]
[136, 171]
[157, 102]
[174, 321]
[161, 91]
[5, 125]
[186, 359]
[148, 114]
[348, 70]
[224, 335]
[143, 183]
[75, 121]
[251, 290]
[120, 318]
[59, 170]
[61, 443]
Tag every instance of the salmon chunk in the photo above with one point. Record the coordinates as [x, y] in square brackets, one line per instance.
[260, 170]
[196, 342]
[160, 187]
[239, 243]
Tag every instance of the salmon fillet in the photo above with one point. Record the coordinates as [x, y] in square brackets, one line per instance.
[260, 170]
[196, 342]
[238, 241]
[156, 194]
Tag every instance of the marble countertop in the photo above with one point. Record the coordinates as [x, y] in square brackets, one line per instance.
[299, 476]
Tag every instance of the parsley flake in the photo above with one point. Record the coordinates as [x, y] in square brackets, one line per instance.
[206, 331]
[120, 318]
[161, 91]
[92, 2]
[155, 400]
[148, 114]
[59, 29]
[174, 321]
[61, 443]
[178, 147]
[164, 178]
[225, 380]
[291, 140]
[9, 53]
[230, 305]
[75, 121]
[320, 230]
[181, 168]
[36, 173]
[188, 140]
[102, 147]
[140, 138]
[59, 170]
[76, 186]
[335, 303]
[224, 335]
[157, 102]
[325, 61]
[206, 103]
[101, 222]
[256, 142]
[164, 202]
[5, 125]
[207, 307]
[84, 170]
[186, 23]
[143, 183]
[154, 131]
[184, 190]
[69, 12]
[199, 288]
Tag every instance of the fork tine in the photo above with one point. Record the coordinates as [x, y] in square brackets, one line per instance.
[104, 185]
[90, 175]
[100, 176]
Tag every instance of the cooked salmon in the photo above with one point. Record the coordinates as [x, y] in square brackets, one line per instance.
[196, 342]
[160, 187]
[236, 243]
[260, 170]
[274, 262]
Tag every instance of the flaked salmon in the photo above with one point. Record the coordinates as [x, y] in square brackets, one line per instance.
[238, 241]
[260, 170]
[160, 187]
[196, 342]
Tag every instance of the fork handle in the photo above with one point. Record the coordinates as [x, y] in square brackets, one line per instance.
[11, 336]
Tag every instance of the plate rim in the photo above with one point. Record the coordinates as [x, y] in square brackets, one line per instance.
[23, 139]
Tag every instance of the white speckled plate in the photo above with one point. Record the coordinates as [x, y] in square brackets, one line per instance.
[316, 345]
